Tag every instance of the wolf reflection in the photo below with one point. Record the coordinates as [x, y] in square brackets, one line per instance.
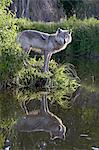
[42, 120]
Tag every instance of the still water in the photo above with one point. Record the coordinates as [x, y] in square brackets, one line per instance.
[50, 124]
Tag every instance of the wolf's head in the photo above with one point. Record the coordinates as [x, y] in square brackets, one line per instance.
[57, 128]
[58, 131]
[63, 36]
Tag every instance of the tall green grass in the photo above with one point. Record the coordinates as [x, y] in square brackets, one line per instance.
[12, 70]
[85, 35]
[85, 43]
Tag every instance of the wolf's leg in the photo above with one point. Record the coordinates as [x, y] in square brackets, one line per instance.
[47, 57]
[48, 60]
[44, 105]
[23, 106]
[26, 50]
[45, 61]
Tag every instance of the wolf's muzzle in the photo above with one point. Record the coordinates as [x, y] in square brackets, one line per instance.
[64, 41]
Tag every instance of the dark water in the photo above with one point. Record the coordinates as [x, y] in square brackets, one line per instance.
[80, 115]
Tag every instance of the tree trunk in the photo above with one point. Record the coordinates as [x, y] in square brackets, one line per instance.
[27, 9]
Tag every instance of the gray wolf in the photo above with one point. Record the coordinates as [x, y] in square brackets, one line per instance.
[44, 43]
[41, 120]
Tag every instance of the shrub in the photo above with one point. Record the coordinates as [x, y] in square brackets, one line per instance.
[12, 70]
[59, 77]
[85, 35]
[10, 53]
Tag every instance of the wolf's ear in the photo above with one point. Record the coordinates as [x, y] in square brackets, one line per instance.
[52, 137]
[59, 30]
[70, 31]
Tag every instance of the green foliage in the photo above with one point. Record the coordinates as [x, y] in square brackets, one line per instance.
[10, 53]
[71, 6]
[10, 110]
[60, 97]
[11, 57]
[64, 77]
[8, 106]
[59, 77]
[5, 3]
[85, 35]
[86, 38]
[81, 8]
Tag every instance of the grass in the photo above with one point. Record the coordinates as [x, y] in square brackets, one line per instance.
[85, 35]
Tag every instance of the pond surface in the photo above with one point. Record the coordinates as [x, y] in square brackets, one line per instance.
[71, 125]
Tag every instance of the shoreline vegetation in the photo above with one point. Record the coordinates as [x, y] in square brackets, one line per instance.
[13, 72]
[19, 83]
[85, 34]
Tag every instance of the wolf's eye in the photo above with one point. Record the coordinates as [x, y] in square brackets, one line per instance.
[60, 128]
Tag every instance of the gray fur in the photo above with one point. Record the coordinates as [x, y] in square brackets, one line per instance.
[42, 120]
[47, 43]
